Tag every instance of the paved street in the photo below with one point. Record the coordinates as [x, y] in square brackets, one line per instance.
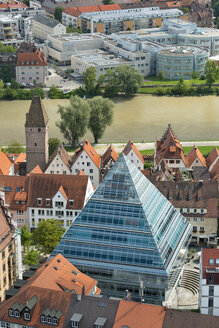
[58, 81]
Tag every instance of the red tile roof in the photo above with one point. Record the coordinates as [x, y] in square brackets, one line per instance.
[114, 6]
[110, 153]
[5, 231]
[5, 164]
[212, 156]
[31, 59]
[63, 155]
[173, 4]
[193, 155]
[130, 146]
[91, 152]
[64, 276]
[169, 147]
[36, 170]
[73, 11]
[137, 315]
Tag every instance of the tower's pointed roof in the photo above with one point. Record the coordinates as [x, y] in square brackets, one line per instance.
[37, 116]
[128, 222]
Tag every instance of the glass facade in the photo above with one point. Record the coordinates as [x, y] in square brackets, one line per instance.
[128, 232]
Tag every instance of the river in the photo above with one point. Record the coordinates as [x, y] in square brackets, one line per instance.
[143, 117]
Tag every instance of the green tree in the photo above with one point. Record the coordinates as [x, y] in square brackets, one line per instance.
[25, 237]
[92, 84]
[30, 256]
[53, 144]
[47, 235]
[161, 75]
[14, 84]
[211, 72]
[128, 79]
[15, 148]
[111, 87]
[185, 10]
[58, 13]
[101, 115]
[71, 29]
[1, 85]
[74, 119]
[195, 75]
[107, 2]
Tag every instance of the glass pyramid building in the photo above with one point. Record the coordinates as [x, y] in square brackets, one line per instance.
[128, 232]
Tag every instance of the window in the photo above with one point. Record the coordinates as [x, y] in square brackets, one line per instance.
[194, 219]
[91, 170]
[202, 229]
[194, 229]
[32, 212]
[210, 302]
[19, 212]
[39, 129]
[43, 319]
[49, 320]
[178, 161]
[39, 201]
[55, 321]
[211, 290]
[71, 202]
[211, 261]
[194, 210]
[11, 313]
[8, 325]
[74, 324]
[35, 144]
[2, 324]
[47, 201]
[202, 220]
[59, 204]
[3, 255]
[3, 267]
[91, 177]
[17, 314]
[202, 211]
[217, 261]
[27, 316]
[171, 161]
[181, 210]
[188, 210]
[88, 163]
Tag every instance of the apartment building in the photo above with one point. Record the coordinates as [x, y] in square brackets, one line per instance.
[108, 22]
[8, 28]
[43, 26]
[209, 282]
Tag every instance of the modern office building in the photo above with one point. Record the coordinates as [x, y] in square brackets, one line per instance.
[181, 61]
[128, 234]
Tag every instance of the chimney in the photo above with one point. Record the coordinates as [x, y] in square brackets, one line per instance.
[78, 297]
[83, 290]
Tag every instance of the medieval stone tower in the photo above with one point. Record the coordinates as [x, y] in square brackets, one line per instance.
[36, 131]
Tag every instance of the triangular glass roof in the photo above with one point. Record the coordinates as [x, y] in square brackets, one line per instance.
[127, 222]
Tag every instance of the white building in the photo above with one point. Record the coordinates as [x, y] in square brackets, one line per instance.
[209, 282]
[59, 162]
[42, 26]
[58, 197]
[134, 155]
[87, 160]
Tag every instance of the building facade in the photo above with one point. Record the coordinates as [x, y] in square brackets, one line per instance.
[128, 232]
[42, 26]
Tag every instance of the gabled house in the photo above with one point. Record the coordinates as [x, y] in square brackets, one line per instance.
[56, 196]
[59, 162]
[108, 159]
[170, 150]
[195, 158]
[87, 160]
[212, 158]
[134, 155]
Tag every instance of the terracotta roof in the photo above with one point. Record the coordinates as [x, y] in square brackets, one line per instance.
[193, 155]
[46, 299]
[12, 184]
[46, 186]
[73, 11]
[20, 195]
[173, 4]
[114, 6]
[62, 191]
[7, 6]
[182, 319]
[137, 315]
[130, 146]
[109, 154]
[5, 163]
[21, 158]
[91, 152]
[63, 155]
[36, 170]
[214, 154]
[88, 9]
[80, 172]
[169, 147]
[31, 59]
[59, 274]
[36, 117]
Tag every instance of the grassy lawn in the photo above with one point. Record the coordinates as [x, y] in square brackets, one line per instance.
[155, 81]
[203, 149]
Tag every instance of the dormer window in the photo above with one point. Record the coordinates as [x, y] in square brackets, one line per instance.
[71, 202]
[17, 314]
[27, 316]
[49, 320]
[75, 320]
[55, 322]
[39, 201]
[47, 201]
[43, 319]
[100, 322]
[11, 313]
[22, 63]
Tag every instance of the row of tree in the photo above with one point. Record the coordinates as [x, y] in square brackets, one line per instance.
[123, 79]
[41, 241]
[5, 49]
[95, 113]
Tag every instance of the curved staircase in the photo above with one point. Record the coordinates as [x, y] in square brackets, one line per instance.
[190, 280]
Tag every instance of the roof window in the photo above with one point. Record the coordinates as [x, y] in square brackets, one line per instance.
[211, 261]
[71, 202]
[100, 322]
[39, 201]
[75, 320]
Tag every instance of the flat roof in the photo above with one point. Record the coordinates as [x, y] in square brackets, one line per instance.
[68, 37]
[101, 57]
[202, 32]
[130, 14]
[182, 51]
